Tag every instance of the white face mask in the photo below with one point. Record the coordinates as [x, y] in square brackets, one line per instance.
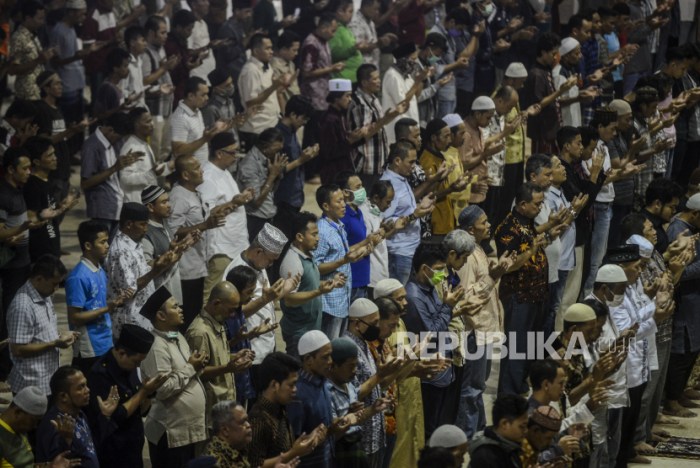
[617, 301]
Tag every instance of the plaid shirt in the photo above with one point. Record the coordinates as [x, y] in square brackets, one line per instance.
[341, 399]
[364, 110]
[654, 269]
[644, 178]
[332, 246]
[32, 319]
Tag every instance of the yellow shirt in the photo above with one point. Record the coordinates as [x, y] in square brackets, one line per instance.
[19, 453]
[442, 218]
[515, 142]
[460, 200]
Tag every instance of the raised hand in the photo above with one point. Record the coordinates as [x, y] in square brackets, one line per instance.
[579, 201]
[154, 383]
[310, 152]
[128, 159]
[108, 406]
[65, 426]
[274, 292]
[451, 296]
[198, 360]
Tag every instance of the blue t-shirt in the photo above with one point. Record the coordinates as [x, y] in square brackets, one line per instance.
[356, 230]
[86, 289]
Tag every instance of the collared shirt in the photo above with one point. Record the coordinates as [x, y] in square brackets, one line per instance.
[335, 150]
[515, 142]
[49, 443]
[13, 213]
[354, 224]
[540, 84]
[189, 210]
[314, 54]
[342, 396]
[379, 258]
[406, 241]
[272, 433]
[662, 238]
[141, 174]
[395, 87]
[333, 246]
[364, 30]
[373, 430]
[86, 290]
[298, 320]
[231, 56]
[98, 27]
[187, 125]
[655, 268]
[219, 188]
[160, 105]
[218, 108]
[570, 113]
[442, 219]
[134, 82]
[617, 149]
[226, 456]
[607, 192]
[366, 109]
[556, 200]
[104, 200]
[496, 163]
[290, 188]
[474, 145]
[155, 243]
[208, 336]
[125, 264]
[176, 46]
[643, 178]
[179, 409]
[280, 67]
[200, 38]
[529, 282]
[252, 172]
[32, 319]
[25, 47]
[254, 79]
[67, 44]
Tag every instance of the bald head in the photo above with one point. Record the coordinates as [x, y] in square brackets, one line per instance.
[224, 301]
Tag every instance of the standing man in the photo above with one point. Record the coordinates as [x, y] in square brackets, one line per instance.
[28, 55]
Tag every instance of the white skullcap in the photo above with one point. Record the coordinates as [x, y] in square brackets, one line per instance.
[31, 400]
[447, 436]
[516, 70]
[452, 120]
[579, 313]
[611, 273]
[362, 307]
[567, 45]
[620, 106]
[693, 202]
[311, 341]
[271, 239]
[385, 287]
[645, 247]
[339, 84]
[483, 103]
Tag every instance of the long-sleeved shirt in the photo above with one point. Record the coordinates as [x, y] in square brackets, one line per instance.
[332, 246]
[395, 86]
[141, 174]
[406, 241]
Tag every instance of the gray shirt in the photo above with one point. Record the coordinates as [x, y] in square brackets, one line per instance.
[65, 40]
[252, 173]
[188, 210]
[103, 201]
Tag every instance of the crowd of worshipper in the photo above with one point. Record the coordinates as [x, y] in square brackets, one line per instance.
[484, 170]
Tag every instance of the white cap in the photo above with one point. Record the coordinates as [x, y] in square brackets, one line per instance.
[447, 436]
[483, 103]
[385, 287]
[645, 247]
[31, 400]
[516, 70]
[362, 307]
[567, 45]
[452, 120]
[271, 239]
[611, 273]
[579, 313]
[311, 341]
[693, 202]
[339, 84]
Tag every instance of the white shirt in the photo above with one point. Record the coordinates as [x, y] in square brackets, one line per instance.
[186, 126]
[252, 81]
[200, 38]
[133, 84]
[379, 258]
[218, 188]
[607, 192]
[264, 344]
[570, 113]
[394, 90]
[133, 179]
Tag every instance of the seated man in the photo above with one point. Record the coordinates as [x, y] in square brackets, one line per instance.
[499, 444]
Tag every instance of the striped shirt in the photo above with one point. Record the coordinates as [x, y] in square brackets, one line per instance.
[371, 154]
[332, 246]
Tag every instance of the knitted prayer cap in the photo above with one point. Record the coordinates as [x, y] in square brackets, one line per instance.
[151, 194]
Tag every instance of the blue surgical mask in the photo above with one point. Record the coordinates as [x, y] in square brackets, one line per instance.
[455, 32]
[433, 59]
[359, 196]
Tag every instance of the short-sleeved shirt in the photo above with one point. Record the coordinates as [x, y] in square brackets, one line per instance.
[86, 289]
[104, 200]
[354, 224]
[14, 447]
[189, 210]
[98, 27]
[314, 54]
[333, 246]
[161, 104]
[13, 213]
[50, 443]
[32, 319]
[51, 122]
[252, 173]
[44, 240]
[186, 126]
[406, 241]
[291, 187]
[25, 47]
[67, 44]
[254, 79]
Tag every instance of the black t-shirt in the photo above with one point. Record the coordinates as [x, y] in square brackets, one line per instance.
[51, 122]
[46, 239]
[13, 212]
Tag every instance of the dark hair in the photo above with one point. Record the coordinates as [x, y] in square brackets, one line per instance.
[134, 115]
[47, 266]
[257, 40]
[132, 33]
[632, 224]
[183, 18]
[299, 105]
[536, 163]
[29, 8]
[600, 309]
[219, 142]
[59, 380]
[115, 58]
[300, 223]
[662, 189]
[606, 12]
[436, 456]
[504, 92]
[576, 21]
[679, 53]
[276, 367]
[402, 127]
[332, 96]
[427, 254]
[269, 136]
[287, 39]
[565, 135]
[325, 19]
[324, 192]
[622, 9]
[380, 189]
[364, 72]
[526, 191]
[588, 134]
[192, 84]
[12, 156]
[153, 23]
[341, 180]
[547, 42]
[541, 370]
[508, 407]
[119, 122]
[89, 230]
[366, 3]
[460, 16]
[400, 150]
[20, 109]
[340, 4]
[433, 128]
[388, 307]
[241, 277]
[36, 146]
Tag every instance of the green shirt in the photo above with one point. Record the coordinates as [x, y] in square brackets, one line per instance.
[343, 50]
[15, 450]
[298, 320]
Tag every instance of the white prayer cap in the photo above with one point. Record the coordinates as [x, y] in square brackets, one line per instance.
[516, 70]
[693, 202]
[362, 307]
[311, 341]
[31, 400]
[447, 436]
[452, 120]
[271, 239]
[611, 273]
[579, 313]
[385, 287]
[339, 84]
[567, 45]
[483, 103]
[645, 247]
